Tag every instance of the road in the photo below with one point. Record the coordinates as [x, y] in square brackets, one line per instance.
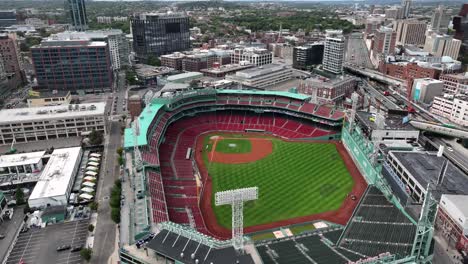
[457, 154]
[105, 234]
[375, 75]
[375, 94]
[9, 228]
[104, 238]
[357, 52]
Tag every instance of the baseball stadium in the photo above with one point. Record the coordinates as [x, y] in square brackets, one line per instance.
[319, 200]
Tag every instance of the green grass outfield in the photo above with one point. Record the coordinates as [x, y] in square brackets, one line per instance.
[227, 145]
[297, 179]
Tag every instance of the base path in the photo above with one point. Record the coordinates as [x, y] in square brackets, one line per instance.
[340, 216]
[261, 147]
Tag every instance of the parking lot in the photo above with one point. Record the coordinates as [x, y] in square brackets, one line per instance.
[40, 245]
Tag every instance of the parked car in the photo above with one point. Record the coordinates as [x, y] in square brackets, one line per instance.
[63, 247]
[2, 236]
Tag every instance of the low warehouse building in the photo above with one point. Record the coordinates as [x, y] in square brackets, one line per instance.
[56, 180]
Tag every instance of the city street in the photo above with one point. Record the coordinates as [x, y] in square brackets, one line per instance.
[105, 234]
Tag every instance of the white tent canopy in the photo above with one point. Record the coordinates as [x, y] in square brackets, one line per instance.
[95, 155]
[87, 190]
[86, 196]
[92, 163]
[89, 184]
[92, 168]
[89, 178]
[91, 173]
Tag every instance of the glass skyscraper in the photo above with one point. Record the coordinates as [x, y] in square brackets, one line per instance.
[158, 34]
[77, 14]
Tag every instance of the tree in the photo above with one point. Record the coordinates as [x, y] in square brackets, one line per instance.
[120, 151]
[120, 159]
[131, 77]
[153, 60]
[86, 254]
[95, 138]
[115, 215]
[94, 206]
[19, 196]
[90, 227]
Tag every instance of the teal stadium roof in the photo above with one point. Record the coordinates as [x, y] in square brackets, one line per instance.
[145, 118]
[150, 111]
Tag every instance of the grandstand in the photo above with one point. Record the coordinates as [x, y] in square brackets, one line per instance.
[377, 228]
[168, 127]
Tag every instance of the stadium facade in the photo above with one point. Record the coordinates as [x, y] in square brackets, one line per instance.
[382, 229]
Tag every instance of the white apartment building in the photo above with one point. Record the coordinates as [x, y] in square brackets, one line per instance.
[455, 83]
[49, 122]
[455, 108]
[263, 76]
[255, 56]
[440, 19]
[334, 51]
[442, 45]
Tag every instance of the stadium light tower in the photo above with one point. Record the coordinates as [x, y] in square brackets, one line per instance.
[236, 199]
[136, 150]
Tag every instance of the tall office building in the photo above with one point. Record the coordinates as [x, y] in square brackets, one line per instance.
[406, 5]
[157, 34]
[77, 64]
[7, 18]
[256, 56]
[116, 41]
[442, 45]
[9, 51]
[440, 19]
[384, 42]
[334, 51]
[460, 24]
[306, 56]
[410, 32]
[77, 13]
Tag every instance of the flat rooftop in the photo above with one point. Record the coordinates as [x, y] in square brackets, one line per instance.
[82, 41]
[21, 159]
[49, 94]
[185, 75]
[324, 81]
[262, 70]
[57, 174]
[426, 167]
[17, 115]
[227, 68]
[460, 201]
[392, 122]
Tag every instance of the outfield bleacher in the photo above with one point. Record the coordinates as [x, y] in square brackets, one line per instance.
[377, 226]
[305, 248]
